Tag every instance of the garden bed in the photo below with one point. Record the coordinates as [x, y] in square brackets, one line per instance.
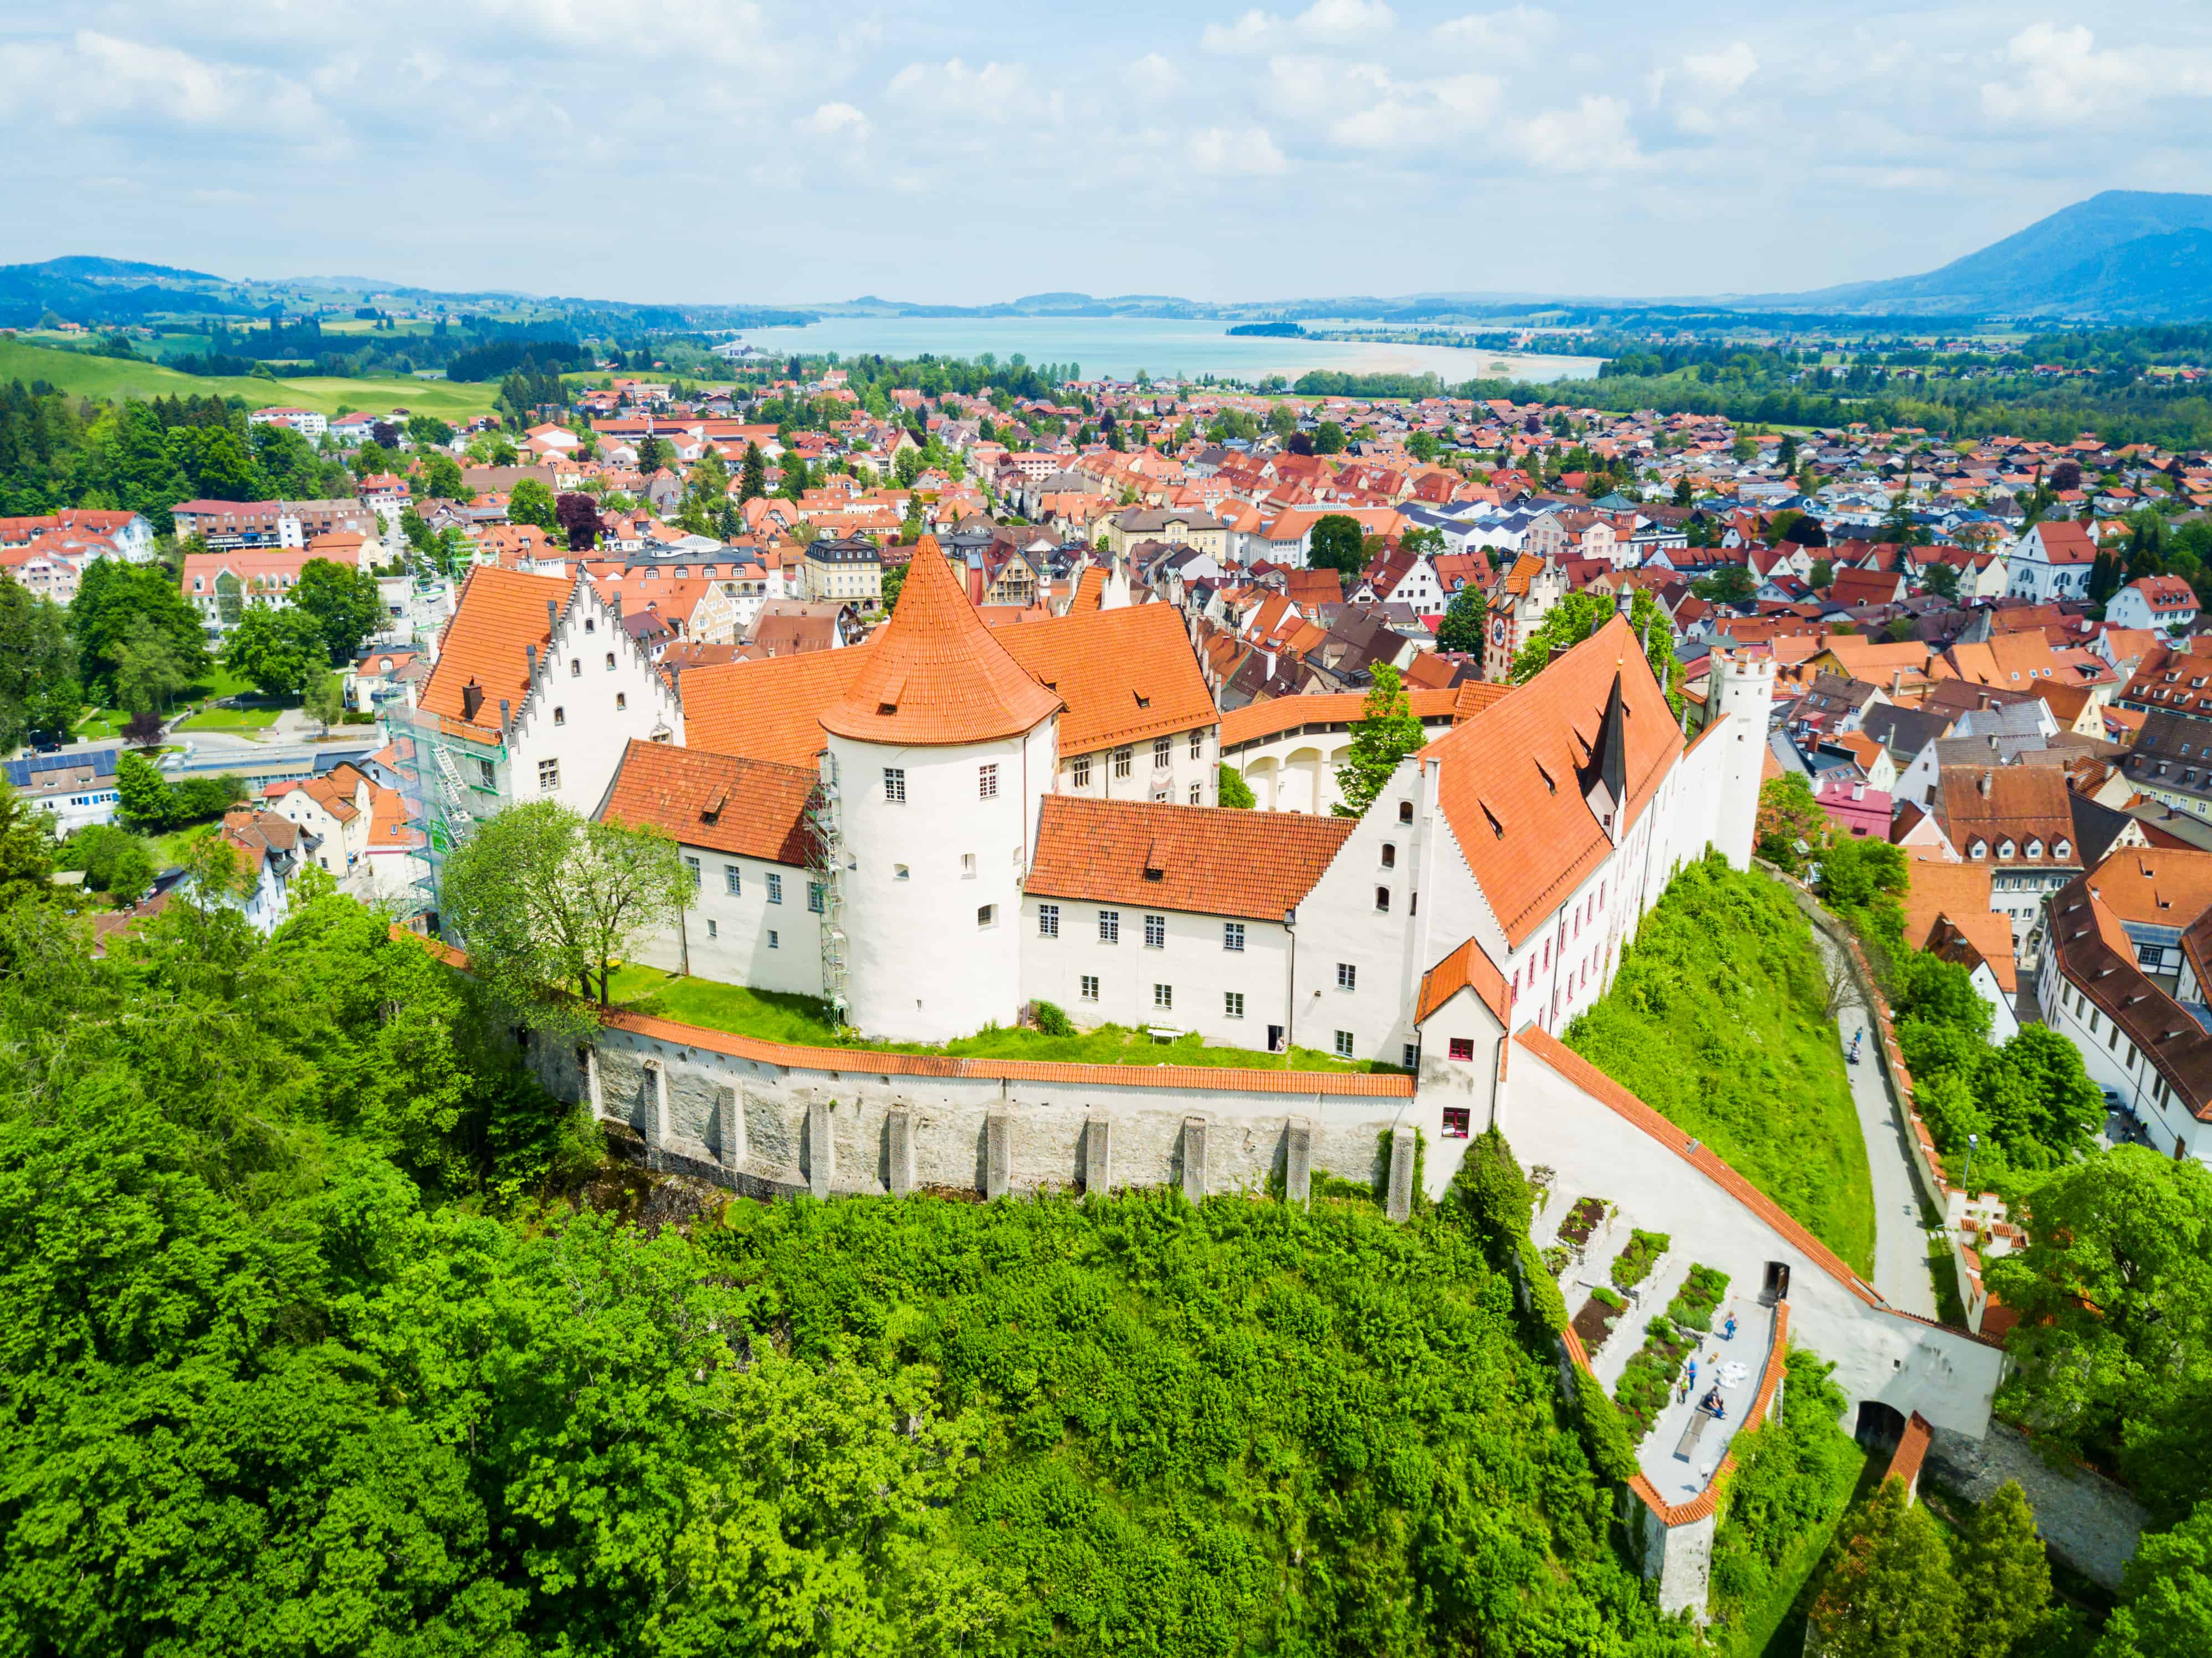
[1634, 1263]
[1583, 1221]
[1555, 1259]
[1594, 1324]
[1699, 1299]
[1644, 1385]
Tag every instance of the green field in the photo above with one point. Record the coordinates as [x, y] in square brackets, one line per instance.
[230, 720]
[112, 377]
[803, 1022]
[1715, 1020]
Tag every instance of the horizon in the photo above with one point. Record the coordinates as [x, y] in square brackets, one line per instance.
[1514, 150]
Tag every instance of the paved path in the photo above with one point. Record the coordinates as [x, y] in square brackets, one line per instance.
[1900, 1245]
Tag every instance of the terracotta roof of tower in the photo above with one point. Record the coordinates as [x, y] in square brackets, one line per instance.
[936, 675]
[500, 612]
[1204, 860]
[1123, 675]
[754, 808]
[1510, 783]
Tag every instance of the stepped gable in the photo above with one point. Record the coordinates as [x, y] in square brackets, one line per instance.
[1204, 860]
[936, 677]
[751, 808]
[1509, 777]
[500, 613]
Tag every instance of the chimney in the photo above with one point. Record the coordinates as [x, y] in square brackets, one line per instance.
[530, 651]
[506, 716]
[552, 618]
[472, 700]
[614, 603]
[1985, 784]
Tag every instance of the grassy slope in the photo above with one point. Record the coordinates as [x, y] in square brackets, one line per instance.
[1715, 1021]
[111, 377]
[804, 1022]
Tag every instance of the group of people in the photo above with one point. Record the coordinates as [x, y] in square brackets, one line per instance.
[1855, 1036]
[1686, 1384]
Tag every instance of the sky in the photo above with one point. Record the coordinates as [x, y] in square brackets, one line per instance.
[732, 151]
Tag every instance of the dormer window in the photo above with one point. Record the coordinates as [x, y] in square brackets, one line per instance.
[2035, 849]
[2062, 849]
[1979, 849]
[2005, 848]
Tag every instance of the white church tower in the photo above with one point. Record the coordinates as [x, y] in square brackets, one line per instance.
[941, 751]
[1742, 692]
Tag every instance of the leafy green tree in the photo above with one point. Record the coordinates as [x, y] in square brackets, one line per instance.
[1577, 616]
[1941, 579]
[1383, 735]
[2038, 1099]
[430, 431]
[1328, 439]
[324, 700]
[1854, 871]
[2113, 1353]
[1336, 542]
[113, 598]
[653, 454]
[1888, 1592]
[142, 799]
[26, 848]
[1731, 583]
[38, 688]
[1232, 790]
[439, 479]
[114, 861]
[217, 464]
[1461, 629]
[532, 502]
[277, 650]
[344, 603]
[2004, 1577]
[1788, 815]
[147, 670]
[2165, 1598]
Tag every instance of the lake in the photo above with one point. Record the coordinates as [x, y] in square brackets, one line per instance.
[1115, 348]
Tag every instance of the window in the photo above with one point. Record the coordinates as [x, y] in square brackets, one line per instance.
[1109, 927]
[816, 896]
[1232, 935]
[1194, 798]
[987, 915]
[967, 865]
[1462, 1047]
[2061, 849]
[1156, 932]
[548, 774]
[1409, 1056]
[1344, 1044]
[1198, 745]
[575, 667]
[733, 880]
[2005, 848]
[1121, 761]
[610, 661]
[1079, 774]
[1383, 900]
[691, 868]
[1979, 849]
[1456, 1121]
[1404, 811]
[1389, 856]
[1347, 977]
[1163, 752]
[774, 888]
[1047, 920]
[590, 626]
[1090, 988]
[1163, 998]
[487, 774]
[895, 785]
[986, 782]
[714, 929]
[775, 941]
[900, 873]
[622, 700]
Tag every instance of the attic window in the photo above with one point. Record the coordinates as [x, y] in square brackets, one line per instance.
[886, 707]
[1143, 702]
[714, 807]
[1496, 828]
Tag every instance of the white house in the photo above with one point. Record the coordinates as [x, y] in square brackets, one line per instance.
[2051, 561]
[2165, 602]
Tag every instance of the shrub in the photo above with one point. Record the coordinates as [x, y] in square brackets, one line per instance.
[1699, 1297]
[1648, 1377]
[1051, 1020]
[1634, 1263]
[1599, 1292]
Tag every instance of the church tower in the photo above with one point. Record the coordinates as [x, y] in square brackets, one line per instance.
[939, 753]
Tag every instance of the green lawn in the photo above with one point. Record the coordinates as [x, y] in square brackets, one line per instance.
[230, 720]
[803, 1022]
[114, 377]
[1715, 1021]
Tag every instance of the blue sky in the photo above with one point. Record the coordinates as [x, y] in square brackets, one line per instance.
[729, 150]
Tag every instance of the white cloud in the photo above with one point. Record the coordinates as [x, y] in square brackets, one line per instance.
[1512, 34]
[97, 78]
[1722, 72]
[2063, 80]
[1425, 111]
[831, 119]
[1593, 136]
[1250, 32]
[1154, 76]
[995, 92]
[1318, 87]
[1240, 152]
[1344, 19]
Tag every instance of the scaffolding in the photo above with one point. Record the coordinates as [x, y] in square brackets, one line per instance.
[825, 870]
[444, 802]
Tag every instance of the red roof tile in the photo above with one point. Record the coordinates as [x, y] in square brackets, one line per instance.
[1200, 861]
[754, 808]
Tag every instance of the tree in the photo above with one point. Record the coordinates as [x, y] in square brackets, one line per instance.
[1337, 544]
[752, 477]
[343, 601]
[1824, 573]
[539, 897]
[1328, 439]
[142, 799]
[1577, 616]
[1789, 816]
[325, 700]
[441, 478]
[277, 650]
[1732, 584]
[1383, 735]
[2165, 1598]
[653, 454]
[147, 672]
[39, 690]
[2038, 1099]
[1855, 871]
[2004, 1577]
[113, 597]
[114, 861]
[1888, 1592]
[532, 502]
[894, 585]
[430, 431]
[1941, 579]
[1786, 456]
[1232, 790]
[578, 516]
[1461, 627]
[2113, 1352]
[2064, 476]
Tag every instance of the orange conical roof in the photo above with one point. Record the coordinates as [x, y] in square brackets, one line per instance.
[934, 675]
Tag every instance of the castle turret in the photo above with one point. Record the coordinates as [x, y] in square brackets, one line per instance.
[1742, 693]
[940, 749]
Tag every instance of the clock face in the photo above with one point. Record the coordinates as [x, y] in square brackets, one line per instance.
[1498, 630]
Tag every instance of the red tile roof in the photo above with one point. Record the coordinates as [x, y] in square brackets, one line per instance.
[937, 676]
[1124, 675]
[1466, 968]
[501, 612]
[752, 808]
[770, 709]
[1282, 714]
[1200, 860]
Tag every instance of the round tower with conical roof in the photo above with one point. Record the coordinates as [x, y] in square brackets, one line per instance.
[940, 749]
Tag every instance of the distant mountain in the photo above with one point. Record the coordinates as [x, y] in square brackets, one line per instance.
[2125, 255]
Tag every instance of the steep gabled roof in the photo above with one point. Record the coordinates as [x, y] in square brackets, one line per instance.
[754, 808]
[1124, 675]
[1204, 860]
[501, 613]
[768, 710]
[937, 676]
